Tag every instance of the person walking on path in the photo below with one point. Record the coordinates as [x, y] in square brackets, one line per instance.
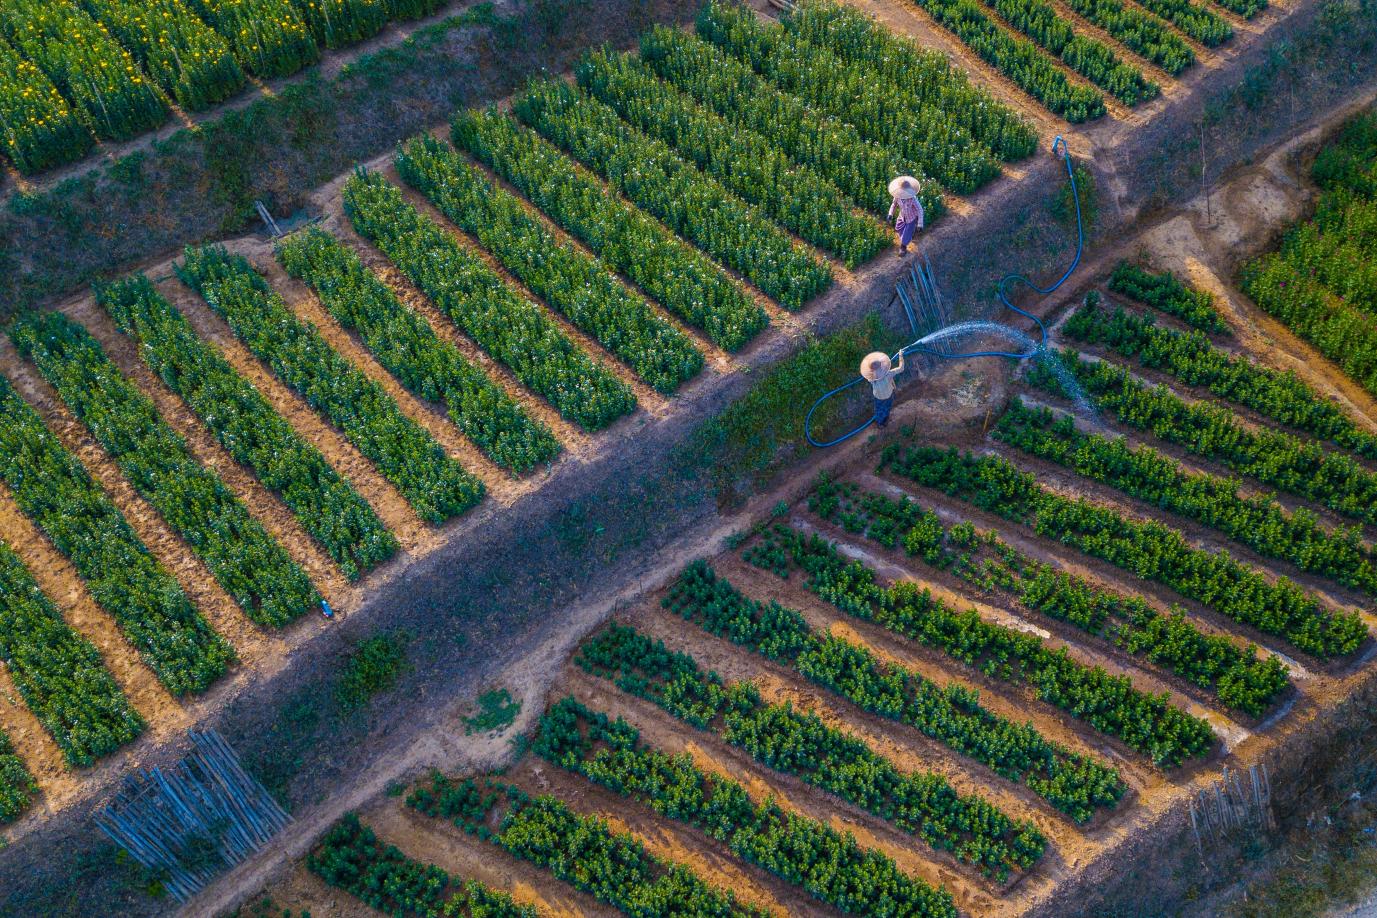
[880, 372]
[904, 191]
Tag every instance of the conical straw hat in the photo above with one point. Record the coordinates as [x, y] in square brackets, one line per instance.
[897, 189]
[873, 357]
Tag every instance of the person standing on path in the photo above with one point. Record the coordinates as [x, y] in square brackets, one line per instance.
[904, 191]
[880, 372]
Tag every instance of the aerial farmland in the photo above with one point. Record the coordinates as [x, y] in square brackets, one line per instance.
[741, 457]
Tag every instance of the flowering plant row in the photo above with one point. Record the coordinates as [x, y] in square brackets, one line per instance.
[566, 278]
[1166, 292]
[98, 77]
[336, 23]
[1190, 357]
[927, 75]
[858, 93]
[1151, 476]
[1147, 723]
[746, 163]
[434, 484]
[1092, 59]
[829, 146]
[831, 866]
[250, 565]
[512, 329]
[921, 803]
[408, 348]
[53, 489]
[658, 180]
[1273, 457]
[187, 58]
[1240, 678]
[1147, 549]
[351, 858]
[1018, 59]
[583, 851]
[267, 36]
[17, 786]
[59, 673]
[1139, 32]
[1075, 784]
[37, 127]
[249, 428]
[672, 272]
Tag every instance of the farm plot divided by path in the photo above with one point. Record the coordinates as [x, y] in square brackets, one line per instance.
[234, 441]
[943, 674]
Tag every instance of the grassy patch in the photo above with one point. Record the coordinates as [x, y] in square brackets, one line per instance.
[744, 446]
[496, 711]
[1064, 203]
[372, 668]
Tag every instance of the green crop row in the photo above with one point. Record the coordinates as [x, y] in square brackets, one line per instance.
[98, 77]
[267, 36]
[1150, 724]
[17, 786]
[927, 76]
[1075, 784]
[1336, 247]
[880, 108]
[1147, 549]
[1092, 59]
[59, 673]
[1018, 59]
[743, 161]
[1149, 475]
[1202, 24]
[1341, 331]
[512, 329]
[183, 55]
[351, 858]
[1240, 678]
[1322, 284]
[924, 804]
[252, 567]
[434, 484]
[1146, 35]
[1273, 457]
[53, 489]
[694, 205]
[1190, 357]
[1166, 292]
[825, 144]
[583, 851]
[37, 127]
[408, 348]
[672, 272]
[1245, 8]
[831, 866]
[559, 273]
[249, 428]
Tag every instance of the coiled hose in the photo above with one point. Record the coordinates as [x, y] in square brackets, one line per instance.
[1058, 149]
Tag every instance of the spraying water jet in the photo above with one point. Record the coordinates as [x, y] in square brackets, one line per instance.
[924, 300]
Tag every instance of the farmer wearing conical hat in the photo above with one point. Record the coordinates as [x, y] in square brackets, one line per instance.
[880, 372]
[904, 191]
